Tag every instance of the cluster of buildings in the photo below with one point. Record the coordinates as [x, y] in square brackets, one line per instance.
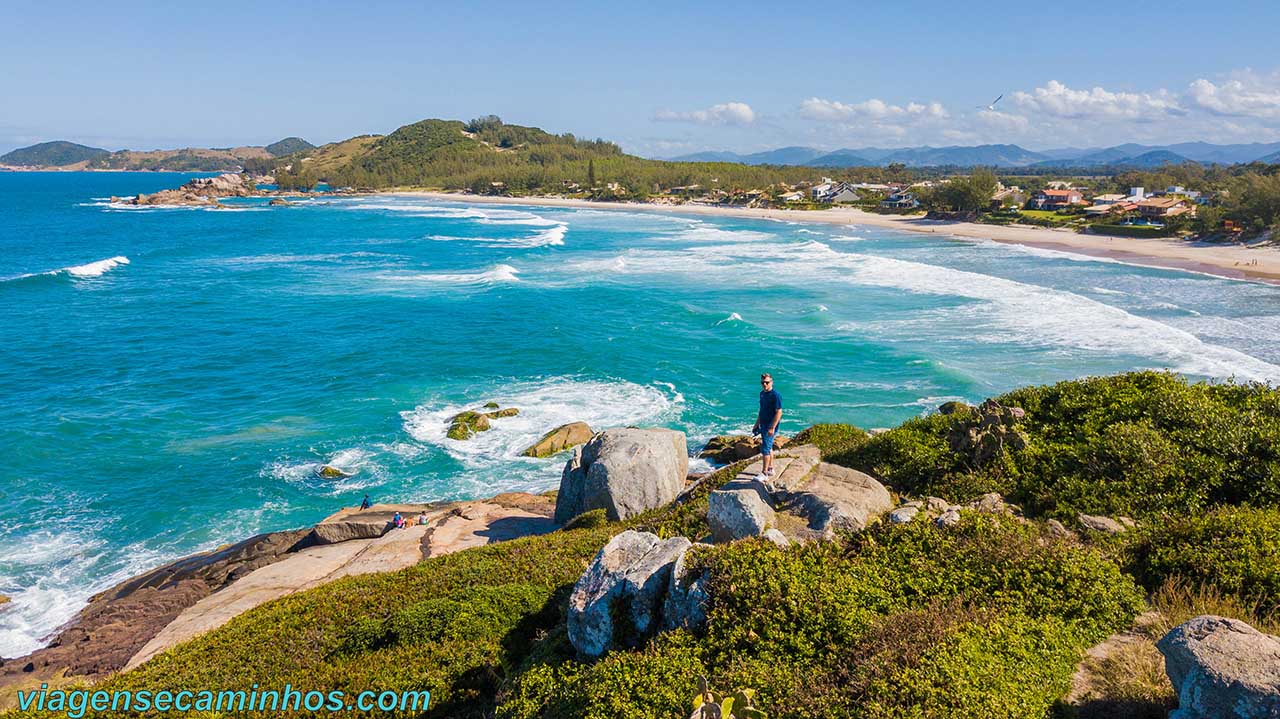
[1155, 206]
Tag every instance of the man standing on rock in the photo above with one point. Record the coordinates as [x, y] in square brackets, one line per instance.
[767, 422]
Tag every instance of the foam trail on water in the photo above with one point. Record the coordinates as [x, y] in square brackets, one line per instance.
[496, 274]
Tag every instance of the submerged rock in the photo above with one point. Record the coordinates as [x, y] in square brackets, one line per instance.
[564, 437]
[328, 471]
[1222, 669]
[623, 471]
[466, 425]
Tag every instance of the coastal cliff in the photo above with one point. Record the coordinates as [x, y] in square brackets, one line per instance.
[1033, 554]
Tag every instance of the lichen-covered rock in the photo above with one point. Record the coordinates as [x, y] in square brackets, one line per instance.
[328, 471]
[838, 498]
[738, 510]
[686, 604]
[990, 503]
[590, 619]
[647, 581]
[1058, 530]
[465, 425]
[949, 518]
[1222, 669]
[728, 449]
[623, 471]
[504, 412]
[631, 574]
[1104, 525]
[904, 514]
[984, 433]
[566, 436]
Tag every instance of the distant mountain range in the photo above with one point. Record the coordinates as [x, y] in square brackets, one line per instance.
[1128, 155]
[63, 155]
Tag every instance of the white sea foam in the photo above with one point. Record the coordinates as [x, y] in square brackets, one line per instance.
[543, 405]
[497, 274]
[361, 463]
[1002, 310]
[99, 268]
[733, 317]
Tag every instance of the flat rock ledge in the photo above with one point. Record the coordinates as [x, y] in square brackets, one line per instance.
[148, 614]
[1222, 669]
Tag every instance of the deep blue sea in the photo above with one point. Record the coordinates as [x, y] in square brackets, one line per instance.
[171, 378]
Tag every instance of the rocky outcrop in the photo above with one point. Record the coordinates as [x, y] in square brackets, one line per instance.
[986, 431]
[837, 498]
[727, 449]
[1222, 669]
[741, 508]
[566, 436]
[354, 523]
[465, 425]
[624, 472]
[200, 192]
[630, 574]
[120, 620]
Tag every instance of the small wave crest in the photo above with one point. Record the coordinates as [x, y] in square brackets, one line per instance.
[494, 275]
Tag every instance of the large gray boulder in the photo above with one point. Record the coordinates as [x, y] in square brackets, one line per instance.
[631, 574]
[590, 619]
[624, 472]
[739, 509]
[838, 498]
[1222, 669]
[647, 580]
[685, 606]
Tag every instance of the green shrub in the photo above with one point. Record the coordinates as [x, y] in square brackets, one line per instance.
[899, 621]
[1233, 550]
[831, 439]
[588, 520]
[1136, 444]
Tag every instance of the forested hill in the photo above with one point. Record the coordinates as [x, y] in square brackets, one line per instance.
[450, 154]
[56, 153]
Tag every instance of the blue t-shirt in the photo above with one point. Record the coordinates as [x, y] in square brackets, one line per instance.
[770, 403]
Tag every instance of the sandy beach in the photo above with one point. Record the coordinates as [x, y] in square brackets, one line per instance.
[1257, 263]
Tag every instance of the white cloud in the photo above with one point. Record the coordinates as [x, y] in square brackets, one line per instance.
[727, 113]
[1058, 100]
[816, 108]
[1247, 96]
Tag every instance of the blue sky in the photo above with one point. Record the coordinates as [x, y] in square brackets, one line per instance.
[660, 78]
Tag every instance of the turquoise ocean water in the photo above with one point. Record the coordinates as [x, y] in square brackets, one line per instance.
[170, 378]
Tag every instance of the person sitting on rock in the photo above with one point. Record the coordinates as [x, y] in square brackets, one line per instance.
[397, 521]
[366, 503]
[422, 518]
[767, 423]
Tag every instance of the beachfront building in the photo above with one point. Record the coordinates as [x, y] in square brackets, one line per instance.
[837, 193]
[1159, 208]
[900, 200]
[1050, 199]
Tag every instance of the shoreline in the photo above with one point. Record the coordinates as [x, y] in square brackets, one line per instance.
[1225, 261]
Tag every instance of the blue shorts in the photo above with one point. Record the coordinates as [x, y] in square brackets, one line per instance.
[766, 442]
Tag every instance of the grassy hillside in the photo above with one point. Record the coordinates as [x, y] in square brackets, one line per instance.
[987, 619]
[449, 154]
[51, 154]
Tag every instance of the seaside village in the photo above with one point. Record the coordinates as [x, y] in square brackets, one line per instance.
[1057, 203]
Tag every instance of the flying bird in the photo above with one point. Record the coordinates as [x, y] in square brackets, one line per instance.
[992, 106]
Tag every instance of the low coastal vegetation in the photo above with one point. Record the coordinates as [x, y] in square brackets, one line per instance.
[990, 617]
